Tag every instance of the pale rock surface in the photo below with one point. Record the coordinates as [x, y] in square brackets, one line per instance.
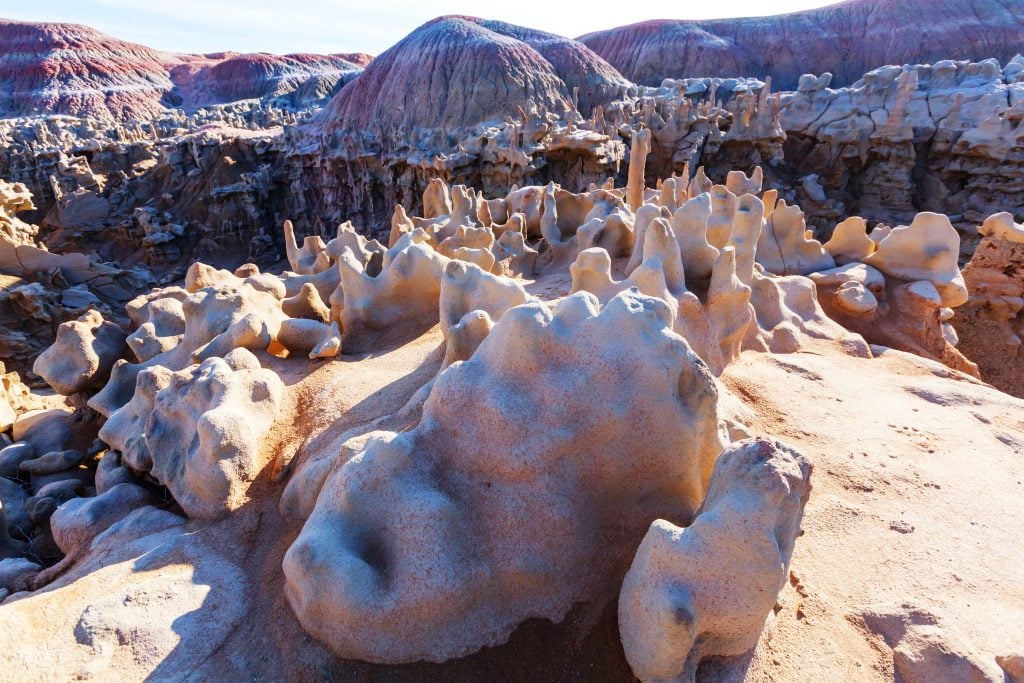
[923, 649]
[223, 313]
[927, 249]
[423, 546]
[465, 288]
[150, 598]
[850, 242]
[401, 299]
[78, 521]
[783, 248]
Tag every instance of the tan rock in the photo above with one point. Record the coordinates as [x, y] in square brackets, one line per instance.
[83, 354]
[927, 249]
[200, 431]
[705, 590]
[850, 241]
[467, 558]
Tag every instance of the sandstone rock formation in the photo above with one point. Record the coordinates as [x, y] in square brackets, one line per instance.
[221, 408]
[903, 293]
[705, 590]
[990, 326]
[43, 295]
[53, 68]
[846, 39]
[303, 452]
[82, 355]
[925, 649]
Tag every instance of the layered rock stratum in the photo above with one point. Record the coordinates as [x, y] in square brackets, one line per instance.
[846, 39]
[53, 68]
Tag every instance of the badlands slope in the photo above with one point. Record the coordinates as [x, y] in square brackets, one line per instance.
[592, 405]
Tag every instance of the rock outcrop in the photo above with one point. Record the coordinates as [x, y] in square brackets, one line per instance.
[433, 543]
[222, 409]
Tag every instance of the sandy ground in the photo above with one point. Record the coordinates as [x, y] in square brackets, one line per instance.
[915, 510]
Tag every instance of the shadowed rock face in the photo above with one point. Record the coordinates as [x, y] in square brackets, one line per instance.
[53, 68]
[487, 69]
[847, 39]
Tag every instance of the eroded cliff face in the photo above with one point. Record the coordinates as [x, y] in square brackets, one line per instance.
[847, 39]
[944, 137]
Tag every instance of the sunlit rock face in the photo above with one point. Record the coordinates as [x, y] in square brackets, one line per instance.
[846, 39]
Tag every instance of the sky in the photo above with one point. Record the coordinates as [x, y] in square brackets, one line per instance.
[322, 26]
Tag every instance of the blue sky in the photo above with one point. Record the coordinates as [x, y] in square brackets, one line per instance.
[370, 26]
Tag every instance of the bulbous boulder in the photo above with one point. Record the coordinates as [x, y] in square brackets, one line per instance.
[535, 469]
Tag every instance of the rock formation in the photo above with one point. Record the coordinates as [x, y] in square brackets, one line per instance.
[521, 67]
[76, 70]
[296, 81]
[222, 408]
[447, 383]
[846, 39]
[705, 590]
[44, 293]
[430, 542]
[990, 326]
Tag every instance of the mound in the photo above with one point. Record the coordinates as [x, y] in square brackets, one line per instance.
[847, 39]
[71, 69]
[455, 72]
[260, 76]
